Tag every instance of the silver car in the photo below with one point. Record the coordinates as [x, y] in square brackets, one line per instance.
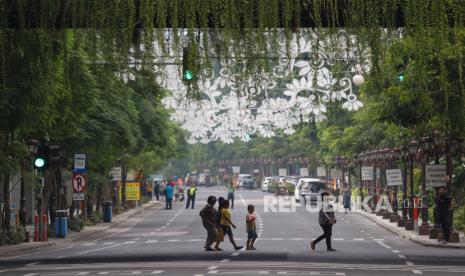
[309, 189]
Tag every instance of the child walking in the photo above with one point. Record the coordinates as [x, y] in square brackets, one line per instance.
[226, 224]
[251, 227]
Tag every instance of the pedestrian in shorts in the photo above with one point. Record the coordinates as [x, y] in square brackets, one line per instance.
[251, 227]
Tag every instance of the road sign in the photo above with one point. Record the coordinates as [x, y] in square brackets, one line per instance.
[303, 171]
[79, 163]
[221, 170]
[394, 177]
[321, 172]
[282, 172]
[236, 169]
[79, 183]
[78, 196]
[132, 191]
[435, 175]
[116, 173]
[367, 173]
[336, 173]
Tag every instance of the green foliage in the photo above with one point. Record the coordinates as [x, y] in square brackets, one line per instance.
[13, 236]
[459, 219]
[73, 224]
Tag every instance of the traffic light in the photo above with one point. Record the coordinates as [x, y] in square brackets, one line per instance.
[187, 65]
[400, 77]
[41, 159]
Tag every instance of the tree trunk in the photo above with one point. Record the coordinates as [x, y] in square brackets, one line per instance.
[6, 200]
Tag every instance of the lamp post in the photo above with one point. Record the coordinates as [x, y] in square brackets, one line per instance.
[427, 145]
[452, 147]
[412, 151]
[404, 157]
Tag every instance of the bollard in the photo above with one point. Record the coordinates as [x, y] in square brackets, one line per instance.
[44, 228]
[108, 211]
[416, 214]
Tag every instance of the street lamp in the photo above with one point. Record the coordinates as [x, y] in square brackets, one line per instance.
[427, 146]
[404, 157]
[412, 149]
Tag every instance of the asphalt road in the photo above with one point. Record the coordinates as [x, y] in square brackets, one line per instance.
[170, 242]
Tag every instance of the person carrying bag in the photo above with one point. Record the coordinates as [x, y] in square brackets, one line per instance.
[326, 219]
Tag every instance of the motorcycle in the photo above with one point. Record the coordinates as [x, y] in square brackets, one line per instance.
[179, 196]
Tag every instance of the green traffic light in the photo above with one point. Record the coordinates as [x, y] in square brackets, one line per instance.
[401, 77]
[39, 162]
[188, 75]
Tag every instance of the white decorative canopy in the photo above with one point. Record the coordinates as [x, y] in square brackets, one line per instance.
[306, 75]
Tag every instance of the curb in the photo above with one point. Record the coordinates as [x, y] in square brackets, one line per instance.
[75, 236]
[123, 216]
[410, 236]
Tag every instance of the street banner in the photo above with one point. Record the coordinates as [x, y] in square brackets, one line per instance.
[367, 173]
[435, 175]
[282, 172]
[336, 173]
[394, 177]
[236, 169]
[132, 191]
[321, 172]
[303, 171]
[79, 163]
[116, 173]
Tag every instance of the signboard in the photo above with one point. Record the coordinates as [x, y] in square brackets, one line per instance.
[80, 163]
[435, 175]
[394, 177]
[132, 191]
[221, 170]
[282, 172]
[321, 172]
[303, 171]
[236, 169]
[256, 171]
[336, 173]
[79, 183]
[78, 196]
[367, 173]
[116, 173]
[206, 171]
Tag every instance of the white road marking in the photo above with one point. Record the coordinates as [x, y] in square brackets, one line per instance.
[83, 273]
[338, 239]
[31, 274]
[108, 243]
[173, 240]
[297, 239]
[395, 251]
[212, 268]
[409, 263]
[213, 272]
[235, 254]
[136, 272]
[379, 239]
[98, 249]
[416, 271]
[103, 273]
[129, 242]
[277, 239]
[89, 244]
[383, 244]
[198, 275]
[151, 241]
[157, 272]
[402, 256]
[358, 239]
[225, 260]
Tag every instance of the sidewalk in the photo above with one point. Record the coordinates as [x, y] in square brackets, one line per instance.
[72, 236]
[410, 235]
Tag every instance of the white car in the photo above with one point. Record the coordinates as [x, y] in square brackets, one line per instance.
[309, 189]
[242, 178]
[266, 183]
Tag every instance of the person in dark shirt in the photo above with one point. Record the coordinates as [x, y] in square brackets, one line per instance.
[209, 217]
[326, 220]
[443, 204]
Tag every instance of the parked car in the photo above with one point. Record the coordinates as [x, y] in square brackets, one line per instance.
[309, 189]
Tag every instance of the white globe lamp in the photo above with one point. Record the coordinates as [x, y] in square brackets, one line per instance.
[358, 80]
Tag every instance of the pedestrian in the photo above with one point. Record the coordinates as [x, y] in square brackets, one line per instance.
[251, 227]
[220, 236]
[346, 199]
[209, 220]
[156, 190]
[191, 193]
[149, 190]
[169, 196]
[231, 190]
[226, 224]
[326, 219]
[443, 204]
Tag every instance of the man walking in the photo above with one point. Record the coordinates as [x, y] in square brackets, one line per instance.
[443, 204]
[191, 193]
[169, 196]
[326, 220]
[209, 217]
[156, 190]
[231, 190]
